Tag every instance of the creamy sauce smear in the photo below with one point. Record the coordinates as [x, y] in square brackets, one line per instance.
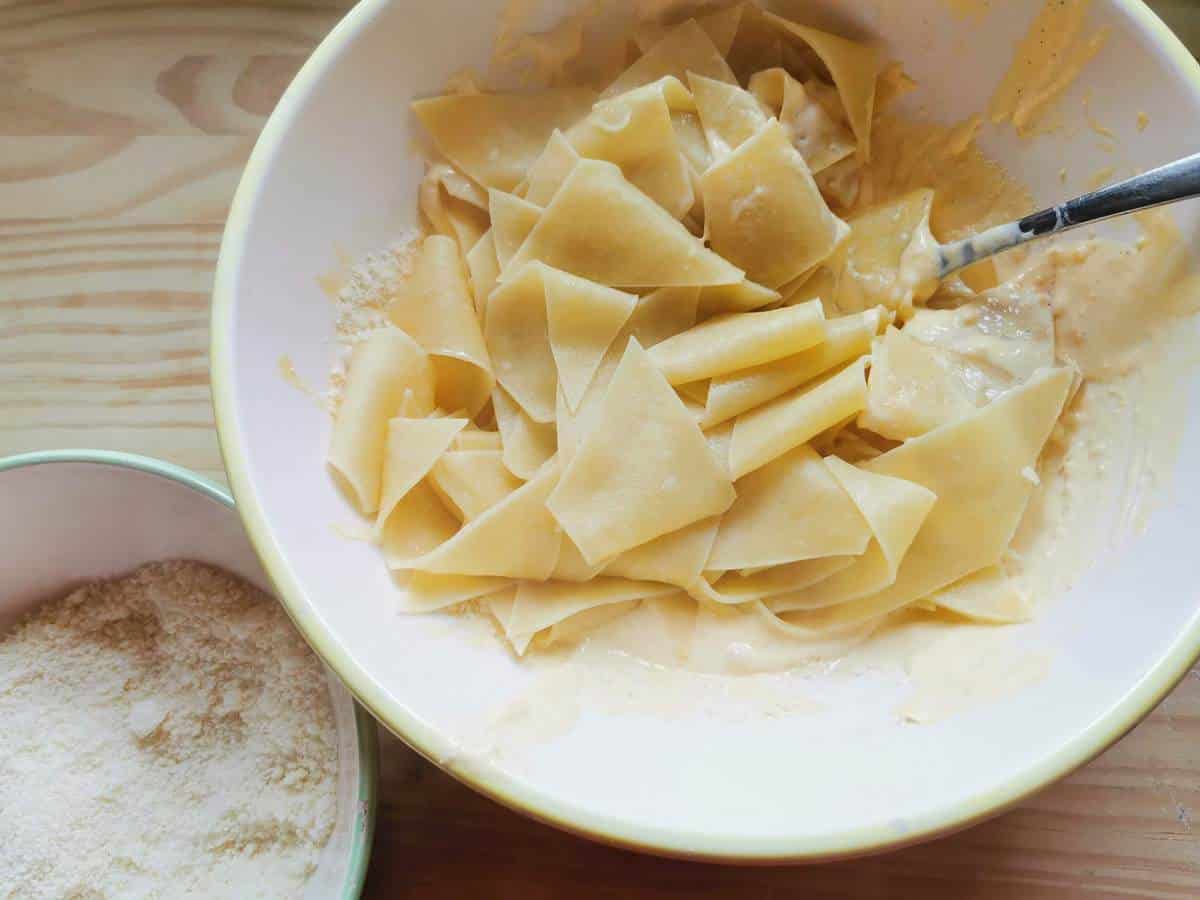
[1105, 465]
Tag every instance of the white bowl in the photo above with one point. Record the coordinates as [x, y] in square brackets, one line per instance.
[70, 516]
[334, 172]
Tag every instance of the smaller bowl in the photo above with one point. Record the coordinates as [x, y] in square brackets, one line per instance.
[57, 521]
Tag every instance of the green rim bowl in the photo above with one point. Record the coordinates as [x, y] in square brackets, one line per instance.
[63, 499]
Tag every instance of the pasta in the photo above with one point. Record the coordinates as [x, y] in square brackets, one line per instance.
[729, 115]
[470, 482]
[635, 131]
[610, 500]
[821, 139]
[434, 306]
[853, 68]
[512, 220]
[771, 522]
[494, 138]
[763, 211]
[686, 48]
[583, 320]
[518, 335]
[640, 364]
[894, 509]
[912, 389]
[413, 447]
[846, 338]
[769, 431]
[729, 343]
[601, 227]
[383, 368]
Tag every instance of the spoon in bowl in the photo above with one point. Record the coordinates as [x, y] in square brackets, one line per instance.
[1177, 180]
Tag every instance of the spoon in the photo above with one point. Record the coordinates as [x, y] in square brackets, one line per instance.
[1177, 180]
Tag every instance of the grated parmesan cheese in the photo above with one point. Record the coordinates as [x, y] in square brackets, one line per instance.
[164, 734]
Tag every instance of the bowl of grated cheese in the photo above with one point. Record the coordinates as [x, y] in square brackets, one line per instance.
[162, 724]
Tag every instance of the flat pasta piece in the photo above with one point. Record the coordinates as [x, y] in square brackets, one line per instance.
[855, 446]
[500, 606]
[571, 565]
[435, 306]
[657, 316]
[763, 212]
[979, 505]
[495, 138]
[584, 318]
[677, 558]
[821, 138]
[518, 337]
[693, 145]
[759, 585]
[642, 470]
[720, 26]
[470, 482]
[660, 315]
[574, 628]
[635, 131]
[419, 524]
[719, 439]
[769, 431]
[426, 592]
[732, 342]
[730, 115]
[550, 170]
[846, 338]
[516, 538]
[526, 444]
[840, 184]
[912, 389]
[449, 215]
[756, 44]
[788, 510]
[512, 220]
[853, 68]
[413, 448]
[694, 392]
[565, 430]
[819, 283]
[600, 227]
[541, 605]
[483, 265]
[895, 510]
[889, 258]
[461, 187]
[382, 368]
[990, 595]
[685, 48]
[476, 439]
[745, 296]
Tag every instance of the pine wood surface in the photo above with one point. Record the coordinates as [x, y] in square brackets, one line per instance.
[124, 125]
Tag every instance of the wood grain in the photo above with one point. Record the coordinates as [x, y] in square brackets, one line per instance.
[123, 129]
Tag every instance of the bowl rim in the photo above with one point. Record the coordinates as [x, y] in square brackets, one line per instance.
[1137, 702]
[366, 738]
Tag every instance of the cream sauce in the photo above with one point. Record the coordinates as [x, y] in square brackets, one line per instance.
[1053, 52]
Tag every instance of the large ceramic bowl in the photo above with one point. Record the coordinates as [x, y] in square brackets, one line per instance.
[334, 173]
[70, 516]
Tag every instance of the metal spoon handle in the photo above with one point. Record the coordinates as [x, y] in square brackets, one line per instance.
[1177, 180]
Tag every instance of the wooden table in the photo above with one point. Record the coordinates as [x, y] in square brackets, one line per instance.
[124, 125]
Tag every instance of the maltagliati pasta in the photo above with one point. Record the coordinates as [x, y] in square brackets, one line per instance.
[660, 341]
